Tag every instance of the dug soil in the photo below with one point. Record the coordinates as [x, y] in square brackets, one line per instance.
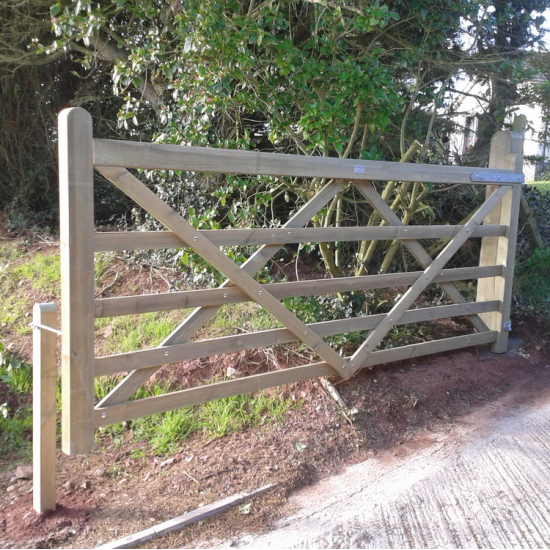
[117, 491]
[122, 487]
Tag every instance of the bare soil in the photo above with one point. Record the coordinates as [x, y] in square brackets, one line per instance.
[117, 490]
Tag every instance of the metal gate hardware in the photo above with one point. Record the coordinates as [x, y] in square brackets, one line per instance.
[497, 177]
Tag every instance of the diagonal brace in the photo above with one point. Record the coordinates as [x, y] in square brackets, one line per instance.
[143, 196]
[415, 248]
[361, 356]
[135, 379]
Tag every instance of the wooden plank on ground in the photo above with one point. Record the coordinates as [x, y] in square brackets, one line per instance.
[186, 330]
[186, 519]
[128, 305]
[152, 240]
[201, 159]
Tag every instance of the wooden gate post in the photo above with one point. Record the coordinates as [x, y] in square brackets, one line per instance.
[44, 374]
[506, 153]
[77, 279]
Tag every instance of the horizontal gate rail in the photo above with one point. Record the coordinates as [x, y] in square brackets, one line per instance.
[151, 240]
[153, 156]
[123, 362]
[495, 222]
[104, 416]
[146, 303]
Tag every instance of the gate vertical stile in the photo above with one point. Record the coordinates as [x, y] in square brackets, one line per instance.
[506, 153]
[76, 230]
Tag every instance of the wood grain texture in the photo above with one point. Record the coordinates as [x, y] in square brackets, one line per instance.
[44, 418]
[187, 329]
[76, 205]
[129, 305]
[154, 240]
[113, 153]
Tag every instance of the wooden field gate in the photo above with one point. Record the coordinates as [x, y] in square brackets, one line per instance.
[495, 221]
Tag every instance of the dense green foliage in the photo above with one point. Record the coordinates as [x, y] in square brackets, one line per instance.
[310, 77]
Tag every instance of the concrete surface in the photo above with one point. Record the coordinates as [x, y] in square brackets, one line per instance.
[484, 483]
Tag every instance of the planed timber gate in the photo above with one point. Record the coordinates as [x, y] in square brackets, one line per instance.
[495, 221]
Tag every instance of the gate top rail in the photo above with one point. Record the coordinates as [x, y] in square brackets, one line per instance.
[155, 156]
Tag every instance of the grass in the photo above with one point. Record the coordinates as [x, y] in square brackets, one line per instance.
[21, 278]
[15, 425]
[132, 332]
[543, 186]
[165, 431]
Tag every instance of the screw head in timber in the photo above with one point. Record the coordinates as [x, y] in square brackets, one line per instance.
[195, 238]
[225, 295]
[305, 332]
[343, 366]
[103, 415]
[289, 234]
[166, 353]
[260, 292]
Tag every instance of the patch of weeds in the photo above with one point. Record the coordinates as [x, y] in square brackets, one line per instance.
[224, 416]
[15, 430]
[404, 335]
[165, 431]
[132, 332]
[103, 262]
[9, 251]
[42, 271]
[137, 454]
[14, 372]
[15, 420]
[246, 316]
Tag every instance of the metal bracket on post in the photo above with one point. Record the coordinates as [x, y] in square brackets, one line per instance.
[497, 177]
[507, 326]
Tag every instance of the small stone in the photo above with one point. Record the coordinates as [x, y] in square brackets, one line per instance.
[10, 489]
[232, 373]
[85, 485]
[123, 480]
[100, 472]
[13, 480]
[68, 485]
[23, 472]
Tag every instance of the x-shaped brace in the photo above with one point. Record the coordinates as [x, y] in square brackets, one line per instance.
[192, 238]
